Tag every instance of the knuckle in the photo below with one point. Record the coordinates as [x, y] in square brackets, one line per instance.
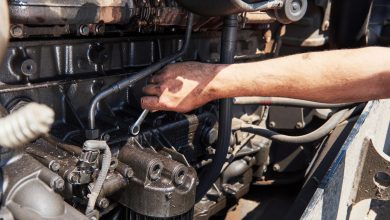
[160, 89]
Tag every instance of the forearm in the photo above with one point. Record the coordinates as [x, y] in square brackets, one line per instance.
[332, 76]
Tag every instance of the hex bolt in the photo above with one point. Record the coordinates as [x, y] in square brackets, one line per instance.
[28, 67]
[73, 178]
[54, 166]
[103, 203]
[16, 31]
[58, 184]
[129, 173]
[276, 167]
[84, 30]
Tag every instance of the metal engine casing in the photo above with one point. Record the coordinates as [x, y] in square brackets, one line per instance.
[160, 187]
[63, 53]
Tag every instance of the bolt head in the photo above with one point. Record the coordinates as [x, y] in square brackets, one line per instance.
[28, 67]
[54, 166]
[16, 31]
[295, 6]
[58, 184]
[276, 167]
[129, 173]
[73, 178]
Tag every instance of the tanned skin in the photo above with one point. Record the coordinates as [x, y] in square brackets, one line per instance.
[337, 76]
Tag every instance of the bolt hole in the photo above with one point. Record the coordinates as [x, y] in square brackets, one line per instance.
[156, 169]
[181, 174]
[179, 179]
[114, 163]
[382, 179]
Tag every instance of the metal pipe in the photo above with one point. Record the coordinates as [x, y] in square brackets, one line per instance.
[125, 83]
[278, 101]
[4, 28]
[235, 169]
[258, 6]
[228, 49]
[226, 7]
[307, 138]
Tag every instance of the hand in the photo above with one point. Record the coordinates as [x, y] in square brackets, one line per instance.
[180, 87]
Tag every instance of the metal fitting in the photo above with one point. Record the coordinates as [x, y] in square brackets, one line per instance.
[103, 203]
[54, 166]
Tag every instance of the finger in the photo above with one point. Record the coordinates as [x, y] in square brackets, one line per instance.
[158, 78]
[152, 90]
[151, 103]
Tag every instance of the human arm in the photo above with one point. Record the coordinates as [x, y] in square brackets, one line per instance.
[331, 76]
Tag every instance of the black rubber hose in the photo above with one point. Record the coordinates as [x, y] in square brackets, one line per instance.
[307, 138]
[125, 83]
[211, 173]
[277, 101]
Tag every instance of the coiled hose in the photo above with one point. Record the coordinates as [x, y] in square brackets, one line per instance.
[307, 138]
[25, 125]
[106, 162]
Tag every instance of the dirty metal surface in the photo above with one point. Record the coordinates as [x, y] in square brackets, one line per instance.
[375, 179]
[371, 209]
[334, 197]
